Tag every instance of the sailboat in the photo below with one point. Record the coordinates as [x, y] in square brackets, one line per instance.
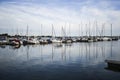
[105, 38]
[54, 39]
[66, 39]
[80, 37]
[30, 40]
[44, 40]
[13, 41]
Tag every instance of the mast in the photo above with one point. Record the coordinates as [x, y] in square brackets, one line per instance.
[103, 29]
[63, 31]
[41, 29]
[96, 29]
[69, 30]
[17, 31]
[111, 30]
[79, 30]
[21, 32]
[27, 32]
[52, 30]
[89, 28]
[86, 30]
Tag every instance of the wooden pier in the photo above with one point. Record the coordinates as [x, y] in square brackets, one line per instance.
[113, 64]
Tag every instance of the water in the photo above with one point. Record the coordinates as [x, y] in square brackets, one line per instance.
[77, 61]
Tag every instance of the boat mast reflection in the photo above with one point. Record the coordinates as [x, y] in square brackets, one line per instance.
[27, 52]
[83, 51]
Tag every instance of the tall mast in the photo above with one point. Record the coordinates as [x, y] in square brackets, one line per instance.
[27, 32]
[111, 30]
[41, 29]
[63, 31]
[69, 30]
[86, 30]
[103, 29]
[52, 30]
[96, 29]
[17, 31]
[89, 28]
[79, 30]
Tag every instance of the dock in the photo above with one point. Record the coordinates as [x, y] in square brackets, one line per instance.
[113, 64]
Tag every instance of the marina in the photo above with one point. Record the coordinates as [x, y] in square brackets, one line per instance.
[64, 57]
[59, 39]
[6, 39]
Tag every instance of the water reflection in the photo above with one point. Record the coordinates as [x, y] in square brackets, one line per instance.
[112, 69]
[77, 58]
[27, 50]
[58, 45]
[85, 51]
[2, 46]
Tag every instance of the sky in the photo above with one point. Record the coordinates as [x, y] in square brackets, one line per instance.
[74, 17]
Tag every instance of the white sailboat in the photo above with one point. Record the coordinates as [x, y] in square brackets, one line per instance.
[54, 39]
[66, 39]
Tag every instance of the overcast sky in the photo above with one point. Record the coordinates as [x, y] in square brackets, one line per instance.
[80, 15]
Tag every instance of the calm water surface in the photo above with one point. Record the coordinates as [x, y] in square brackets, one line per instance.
[77, 61]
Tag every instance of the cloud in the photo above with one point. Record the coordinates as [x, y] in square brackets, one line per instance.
[18, 14]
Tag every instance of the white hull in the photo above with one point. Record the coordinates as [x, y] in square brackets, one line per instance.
[56, 41]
